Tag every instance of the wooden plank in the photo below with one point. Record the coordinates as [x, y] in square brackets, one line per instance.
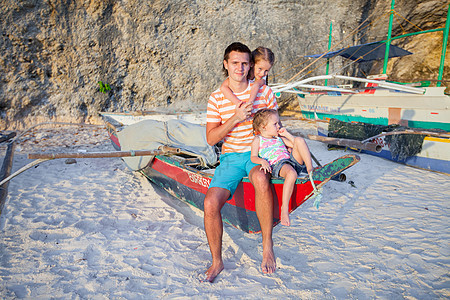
[346, 142]
[6, 137]
[162, 150]
[4, 173]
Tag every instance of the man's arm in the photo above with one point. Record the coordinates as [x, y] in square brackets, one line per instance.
[215, 132]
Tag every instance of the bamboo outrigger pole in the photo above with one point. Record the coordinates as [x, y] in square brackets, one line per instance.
[329, 47]
[346, 142]
[41, 157]
[444, 47]
[161, 150]
[388, 42]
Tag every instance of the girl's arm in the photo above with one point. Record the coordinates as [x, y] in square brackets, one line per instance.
[287, 137]
[228, 93]
[258, 160]
[255, 88]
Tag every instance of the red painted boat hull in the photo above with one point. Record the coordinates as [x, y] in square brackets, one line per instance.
[190, 185]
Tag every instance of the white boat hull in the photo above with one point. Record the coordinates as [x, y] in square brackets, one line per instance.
[381, 107]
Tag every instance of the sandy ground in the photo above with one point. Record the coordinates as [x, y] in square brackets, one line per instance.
[95, 230]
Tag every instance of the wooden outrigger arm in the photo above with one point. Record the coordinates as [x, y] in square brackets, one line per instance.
[160, 151]
[41, 157]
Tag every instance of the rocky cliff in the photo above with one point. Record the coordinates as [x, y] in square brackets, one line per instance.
[168, 54]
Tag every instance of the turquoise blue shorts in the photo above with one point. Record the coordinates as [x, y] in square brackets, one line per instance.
[233, 167]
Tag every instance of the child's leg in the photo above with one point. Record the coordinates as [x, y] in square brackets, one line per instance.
[290, 176]
[301, 153]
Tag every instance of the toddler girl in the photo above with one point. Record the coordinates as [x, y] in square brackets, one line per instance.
[269, 149]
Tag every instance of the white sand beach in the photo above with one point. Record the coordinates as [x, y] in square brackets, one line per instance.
[95, 230]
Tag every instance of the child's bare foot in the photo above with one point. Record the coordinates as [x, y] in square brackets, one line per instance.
[285, 218]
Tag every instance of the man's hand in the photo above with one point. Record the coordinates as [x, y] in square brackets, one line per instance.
[243, 111]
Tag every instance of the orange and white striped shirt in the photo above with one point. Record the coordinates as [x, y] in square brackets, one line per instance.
[220, 109]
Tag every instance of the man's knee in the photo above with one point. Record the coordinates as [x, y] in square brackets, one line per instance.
[214, 200]
[260, 180]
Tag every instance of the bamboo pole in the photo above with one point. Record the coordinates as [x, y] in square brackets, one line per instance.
[329, 47]
[41, 157]
[346, 142]
[162, 150]
[444, 47]
[427, 133]
[388, 42]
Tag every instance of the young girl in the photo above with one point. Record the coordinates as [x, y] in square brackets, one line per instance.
[262, 61]
[269, 150]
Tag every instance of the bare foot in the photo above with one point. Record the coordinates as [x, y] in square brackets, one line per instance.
[285, 218]
[212, 272]
[268, 264]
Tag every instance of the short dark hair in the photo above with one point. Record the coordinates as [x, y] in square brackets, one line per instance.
[238, 47]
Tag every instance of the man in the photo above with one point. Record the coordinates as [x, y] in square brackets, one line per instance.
[233, 125]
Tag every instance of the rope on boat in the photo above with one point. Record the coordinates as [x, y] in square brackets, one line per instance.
[317, 193]
[355, 31]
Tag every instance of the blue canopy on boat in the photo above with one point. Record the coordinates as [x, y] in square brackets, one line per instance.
[365, 52]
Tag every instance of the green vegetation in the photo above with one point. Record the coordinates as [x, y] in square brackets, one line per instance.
[104, 88]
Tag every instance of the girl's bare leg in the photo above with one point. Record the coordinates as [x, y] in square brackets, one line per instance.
[290, 176]
[301, 153]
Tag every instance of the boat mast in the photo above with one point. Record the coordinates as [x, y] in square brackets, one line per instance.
[444, 47]
[388, 42]
[329, 47]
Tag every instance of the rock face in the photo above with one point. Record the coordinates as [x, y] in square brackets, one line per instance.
[168, 54]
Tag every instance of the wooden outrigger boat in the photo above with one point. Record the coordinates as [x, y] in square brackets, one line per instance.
[424, 110]
[432, 154]
[185, 177]
[380, 103]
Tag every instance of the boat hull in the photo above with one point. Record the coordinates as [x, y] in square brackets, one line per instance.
[381, 107]
[190, 185]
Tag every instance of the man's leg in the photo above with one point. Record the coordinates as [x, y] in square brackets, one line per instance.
[214, 201]
[264, 211]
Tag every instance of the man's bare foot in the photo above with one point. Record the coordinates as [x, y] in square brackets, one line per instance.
[285, 218]
[268, 265]
[213, 271]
